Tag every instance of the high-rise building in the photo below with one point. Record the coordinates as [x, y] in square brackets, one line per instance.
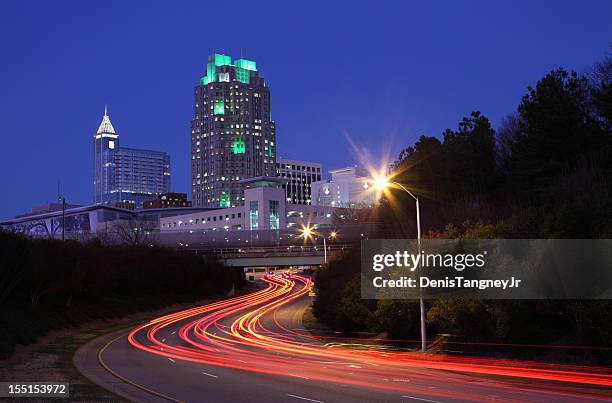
[348, 187]
[299, 176]
[233, 136]
[126, 174]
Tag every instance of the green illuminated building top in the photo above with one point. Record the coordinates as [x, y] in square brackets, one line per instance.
[242, 69]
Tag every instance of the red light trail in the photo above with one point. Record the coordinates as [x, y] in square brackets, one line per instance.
[245, 333]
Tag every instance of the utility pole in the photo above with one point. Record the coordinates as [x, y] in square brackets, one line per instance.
[63, 201]
[324, 249]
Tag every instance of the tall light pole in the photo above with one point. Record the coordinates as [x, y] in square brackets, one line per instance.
[332, 235]
[63, 200]
[324, 250]
[307, 232]
[382, 183]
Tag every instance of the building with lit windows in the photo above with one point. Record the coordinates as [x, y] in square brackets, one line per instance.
[348, 187]
[233, 136]
[299, 176]
[264, 209]
[126, 175]
[168, 200]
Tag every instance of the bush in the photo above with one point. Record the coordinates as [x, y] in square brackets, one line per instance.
[49, 284]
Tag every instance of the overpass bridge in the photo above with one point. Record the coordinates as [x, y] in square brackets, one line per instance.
[273, 256]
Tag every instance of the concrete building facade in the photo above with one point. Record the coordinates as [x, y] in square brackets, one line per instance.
[348, 187]
[264, 209]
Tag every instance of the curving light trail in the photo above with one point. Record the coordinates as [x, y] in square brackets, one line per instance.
[245, 333]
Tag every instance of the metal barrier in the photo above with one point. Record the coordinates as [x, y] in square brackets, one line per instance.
[263, 251]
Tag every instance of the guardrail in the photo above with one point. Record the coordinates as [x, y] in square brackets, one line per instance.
[263, 251]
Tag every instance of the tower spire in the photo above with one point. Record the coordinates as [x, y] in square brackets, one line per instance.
[106, 126]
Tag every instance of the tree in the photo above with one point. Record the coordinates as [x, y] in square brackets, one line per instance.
[133, 231]
[556, 124]
[14, 256]
[507, 132]
[600, 78]
[470, 155]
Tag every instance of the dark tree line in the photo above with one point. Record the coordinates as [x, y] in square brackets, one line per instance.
[545, 173]
[48, 284]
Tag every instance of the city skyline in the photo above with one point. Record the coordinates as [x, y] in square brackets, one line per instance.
[309, 202]
[422, 84]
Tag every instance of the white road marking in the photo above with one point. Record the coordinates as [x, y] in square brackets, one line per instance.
[304, 398]
[171, 359]
[211, 375]
[297, 376]
[242, 361]
[420, 398]
[174, 332]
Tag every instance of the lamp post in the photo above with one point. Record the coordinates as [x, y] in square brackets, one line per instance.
[324, 250]
[63, 200]
[332, 235]
[307, 232]
[383, 183]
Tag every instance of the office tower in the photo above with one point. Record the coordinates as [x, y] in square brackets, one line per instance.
[126, 175]
[233, 136]
[299, 175]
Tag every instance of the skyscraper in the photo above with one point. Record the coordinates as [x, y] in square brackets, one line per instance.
[126, 174]
[233, 136]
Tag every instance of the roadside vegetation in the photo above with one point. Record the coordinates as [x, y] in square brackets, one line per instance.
[545, 173]
[51, 285]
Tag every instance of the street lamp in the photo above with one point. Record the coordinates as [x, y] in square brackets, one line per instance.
[382, 183]
[332, 235]
[63, 200]
[307, 232]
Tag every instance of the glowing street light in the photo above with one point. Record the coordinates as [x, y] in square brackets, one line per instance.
[306, 232]
[382, 183]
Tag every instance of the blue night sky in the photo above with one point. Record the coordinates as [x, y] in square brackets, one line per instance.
[380, 74]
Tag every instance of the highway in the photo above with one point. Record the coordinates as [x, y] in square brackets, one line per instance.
[253, 348]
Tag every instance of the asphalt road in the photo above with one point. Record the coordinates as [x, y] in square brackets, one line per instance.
[254, 349]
